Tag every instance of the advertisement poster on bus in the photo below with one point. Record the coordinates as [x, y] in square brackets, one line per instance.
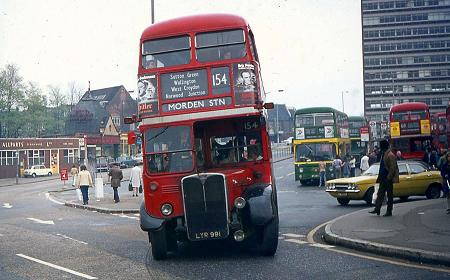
[147, 95]
[329, 131]
[300, 133]
[364, 132]
[425, 127]
[245, 84]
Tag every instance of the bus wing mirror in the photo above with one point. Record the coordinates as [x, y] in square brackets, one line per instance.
[268, 105]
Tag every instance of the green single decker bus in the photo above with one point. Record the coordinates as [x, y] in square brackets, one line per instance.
[358, 147]
[321, 134]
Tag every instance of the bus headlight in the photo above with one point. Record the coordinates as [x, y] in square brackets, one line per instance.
[239, 202]
[166, 209]
[300, 170]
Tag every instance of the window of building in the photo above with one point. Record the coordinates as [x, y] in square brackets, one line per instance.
[69, 156]
[116, 121]
[436, 101]
[36, 157]
[8, 158]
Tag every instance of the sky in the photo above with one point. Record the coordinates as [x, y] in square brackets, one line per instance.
[309, 50]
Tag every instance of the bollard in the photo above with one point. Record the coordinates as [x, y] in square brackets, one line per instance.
[99, 188]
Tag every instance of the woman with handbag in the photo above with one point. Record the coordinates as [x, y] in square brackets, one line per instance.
[135, 179]
[84, 181]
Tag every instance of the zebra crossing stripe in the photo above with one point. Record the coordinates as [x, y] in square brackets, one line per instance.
[296, 241]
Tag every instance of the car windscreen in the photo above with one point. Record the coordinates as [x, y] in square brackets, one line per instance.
[315, 152]
[373, 170]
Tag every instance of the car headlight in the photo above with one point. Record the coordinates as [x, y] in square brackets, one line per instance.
[352, 186]
[331, 186]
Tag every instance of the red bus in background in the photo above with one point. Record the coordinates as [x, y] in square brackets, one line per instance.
[203, 122]
[439, 131]
[410, 129]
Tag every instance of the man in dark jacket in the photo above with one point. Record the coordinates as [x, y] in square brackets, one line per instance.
[387, 176]
[115, 176]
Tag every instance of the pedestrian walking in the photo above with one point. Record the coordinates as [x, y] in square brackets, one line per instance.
[322, 173]
[387, 176]
[445, 173]
[74, 173]
[364, 165]
[115, 177]
[337, 164]
[345, 168]
[135, 178]
[84, 182]
[352, 164]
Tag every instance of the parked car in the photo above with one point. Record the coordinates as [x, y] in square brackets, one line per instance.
[288, 141]
[128, 162]
[416, 178]
[138, 158]
[37, 170]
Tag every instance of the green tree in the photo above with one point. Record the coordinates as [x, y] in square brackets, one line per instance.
[35, 118]
[11, 98]
[58, 111]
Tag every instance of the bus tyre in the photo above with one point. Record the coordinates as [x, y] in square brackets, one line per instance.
[343, 201]
[171, 239]
[269, 238]
[404, 198]
[433, 191]
[303, 182]
[159, 244]
[368, 196]
[33, 175]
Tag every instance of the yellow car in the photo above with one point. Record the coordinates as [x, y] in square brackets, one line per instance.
[416, 178]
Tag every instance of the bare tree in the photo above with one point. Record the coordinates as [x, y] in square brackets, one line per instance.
[75, 93]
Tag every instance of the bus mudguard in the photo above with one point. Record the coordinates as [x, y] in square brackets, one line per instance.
[149, 223]
[261, 205]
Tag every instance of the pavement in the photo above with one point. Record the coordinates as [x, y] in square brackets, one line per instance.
[418, 231]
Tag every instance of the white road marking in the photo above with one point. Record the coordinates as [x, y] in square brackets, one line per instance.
[7, 205]
[279, 178]
[318, 245]
[125, 216]
[1, 234]
[47, 195]
[57, 267]
[293, 235]
[301, 242]
[70, 238]
[41, 221]
[421, 213]
[292, 173]
[137, 215]
[280, 237]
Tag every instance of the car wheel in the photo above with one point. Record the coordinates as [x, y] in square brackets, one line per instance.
[159, 244]
[49, 174]
[269, 238]
[404, 198]
[433, 191]
[33, 175]
[368, 196]
[343, 201]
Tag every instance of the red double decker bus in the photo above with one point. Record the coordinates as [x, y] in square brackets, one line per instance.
[410, 129]
[439, 130]
[203, 122]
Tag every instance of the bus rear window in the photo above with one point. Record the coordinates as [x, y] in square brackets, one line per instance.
[418, 115]
[214, 46]
[166, 52]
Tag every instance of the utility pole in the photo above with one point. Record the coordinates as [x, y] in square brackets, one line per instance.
[153, 11]
[342, 99]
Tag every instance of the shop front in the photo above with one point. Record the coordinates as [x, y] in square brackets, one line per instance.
[19, 154]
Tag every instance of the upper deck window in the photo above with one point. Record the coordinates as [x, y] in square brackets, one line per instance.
[319, 119]
[214, 46]
[412, 115]
[166, 52]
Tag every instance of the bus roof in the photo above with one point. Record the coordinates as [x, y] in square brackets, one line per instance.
[409, 106]
[194, 23]
[356, 118]
[317, 110]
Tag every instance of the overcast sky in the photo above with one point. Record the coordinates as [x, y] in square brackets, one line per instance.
[309, 49]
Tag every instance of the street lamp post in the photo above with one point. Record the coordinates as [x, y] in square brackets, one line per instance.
[342, 99]
[277, 124]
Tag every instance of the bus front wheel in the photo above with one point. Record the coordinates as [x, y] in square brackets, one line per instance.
[269, 238]
[159, 244]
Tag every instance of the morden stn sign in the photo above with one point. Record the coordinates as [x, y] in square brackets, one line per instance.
[196, 104]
